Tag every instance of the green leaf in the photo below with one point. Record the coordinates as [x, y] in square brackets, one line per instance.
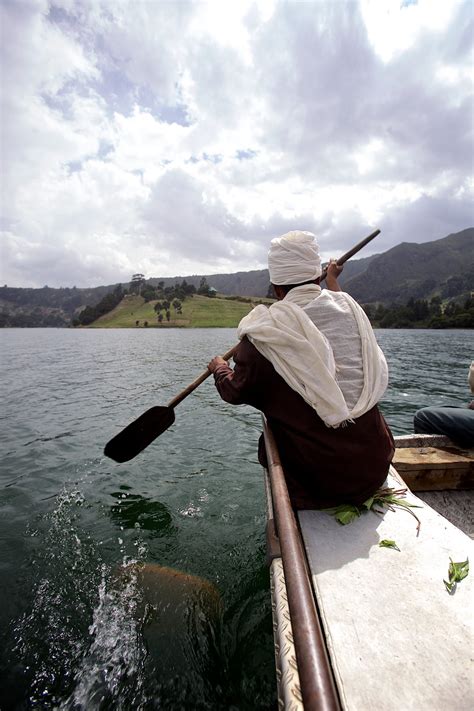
[346, 514]
[393, 498]
[450, 587]
[456, 573]
[387, 543]
[388, 497]
[395, 501]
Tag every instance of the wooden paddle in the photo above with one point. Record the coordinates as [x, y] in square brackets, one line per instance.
[146, 428]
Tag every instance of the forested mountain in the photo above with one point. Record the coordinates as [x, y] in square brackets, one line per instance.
[46, 306]
[444, 268]
[253, 283]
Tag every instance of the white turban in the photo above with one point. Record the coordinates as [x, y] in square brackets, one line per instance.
[294, 258]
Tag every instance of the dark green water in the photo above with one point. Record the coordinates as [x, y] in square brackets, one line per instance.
[79, 630]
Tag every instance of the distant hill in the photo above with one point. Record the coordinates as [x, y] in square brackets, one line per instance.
[46, 306]
[253, 283]
[443, 267]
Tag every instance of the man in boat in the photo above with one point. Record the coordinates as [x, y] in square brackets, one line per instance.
[312, 365]
[455, 422]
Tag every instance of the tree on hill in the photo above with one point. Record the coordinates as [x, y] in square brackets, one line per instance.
[187, 289]
[148, 293]
[173, 297]
[92, 313]
[137, 283]
[203, 287]
[419, 313]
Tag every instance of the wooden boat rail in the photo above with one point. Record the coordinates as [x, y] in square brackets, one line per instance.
[333, 560]
[318, 688]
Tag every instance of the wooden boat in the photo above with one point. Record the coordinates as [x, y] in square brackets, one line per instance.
[360, 626]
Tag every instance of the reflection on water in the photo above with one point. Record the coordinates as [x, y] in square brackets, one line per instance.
[143, 585]
[182, 632]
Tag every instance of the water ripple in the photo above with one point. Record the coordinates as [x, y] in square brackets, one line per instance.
[71, 630]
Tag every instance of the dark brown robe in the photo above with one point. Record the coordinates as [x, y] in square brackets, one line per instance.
[324, 466]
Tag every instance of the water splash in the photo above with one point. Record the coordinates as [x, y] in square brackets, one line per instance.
[111, 670]
[80, 639]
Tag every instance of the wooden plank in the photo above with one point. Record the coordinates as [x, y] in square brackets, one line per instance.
[423, 440]
[412, 458]
[396, 638]
[434, 469]
[439, 479]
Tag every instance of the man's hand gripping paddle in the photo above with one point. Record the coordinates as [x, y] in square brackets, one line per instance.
[145, 429]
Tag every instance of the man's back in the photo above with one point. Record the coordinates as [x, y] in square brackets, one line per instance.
[331, 313]
[323, 465]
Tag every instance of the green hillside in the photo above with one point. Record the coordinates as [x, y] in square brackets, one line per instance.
[197, 312]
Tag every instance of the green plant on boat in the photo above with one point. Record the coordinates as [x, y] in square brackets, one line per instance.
[387, 543]
[388, 498]
[456, 573]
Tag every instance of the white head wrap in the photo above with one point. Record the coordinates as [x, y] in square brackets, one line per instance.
[294, 258]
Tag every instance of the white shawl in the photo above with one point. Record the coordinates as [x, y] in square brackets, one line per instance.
[303, 356]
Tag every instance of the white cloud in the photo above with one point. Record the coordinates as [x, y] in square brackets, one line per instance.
[395, 26]
[175, 138]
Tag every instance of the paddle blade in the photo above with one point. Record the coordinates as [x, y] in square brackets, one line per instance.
[139, 434]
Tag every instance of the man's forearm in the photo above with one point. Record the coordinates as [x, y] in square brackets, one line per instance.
[332, 284]
[333, 271]
[227, 388]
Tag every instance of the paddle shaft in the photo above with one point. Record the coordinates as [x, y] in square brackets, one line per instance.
[351, 252]
[192, 386]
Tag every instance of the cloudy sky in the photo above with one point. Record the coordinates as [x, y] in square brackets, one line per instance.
[175, 137]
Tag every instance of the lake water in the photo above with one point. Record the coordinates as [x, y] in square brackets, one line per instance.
[81, 626]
